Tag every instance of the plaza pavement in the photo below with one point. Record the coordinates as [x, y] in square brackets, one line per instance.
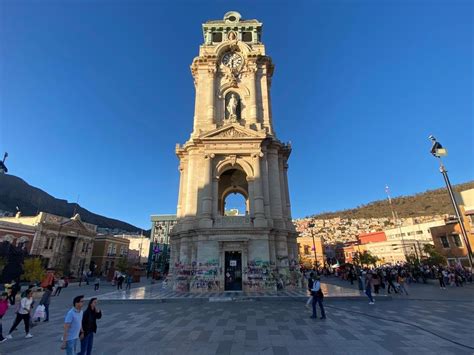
[397, 326]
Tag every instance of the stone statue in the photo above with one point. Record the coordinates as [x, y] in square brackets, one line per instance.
[232, 107]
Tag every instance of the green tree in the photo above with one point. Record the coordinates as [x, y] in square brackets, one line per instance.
[366, 258]
[33, 270]
[435, 257]
[122, 264]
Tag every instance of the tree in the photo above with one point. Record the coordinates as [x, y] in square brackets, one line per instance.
[33, 270]
[435, 258]
[122, 264]
[366, 258]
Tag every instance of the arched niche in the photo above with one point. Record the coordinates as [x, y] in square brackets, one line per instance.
[232, 105]
[232, 162]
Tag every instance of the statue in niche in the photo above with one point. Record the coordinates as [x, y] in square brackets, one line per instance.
[232, 105]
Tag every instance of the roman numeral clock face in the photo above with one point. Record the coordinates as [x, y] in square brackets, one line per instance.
[232, 60]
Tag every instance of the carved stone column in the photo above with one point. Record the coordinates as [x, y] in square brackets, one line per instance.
[259, 220]
[210, 94]
[206, 208]
[274, 184]
[252, 115]
[191, 198]
[181, 192]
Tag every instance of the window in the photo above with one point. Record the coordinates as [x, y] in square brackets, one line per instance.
[457, 240]
[109, 249]
[306, 249]
[247, 36]
[419, 232]
[444, 241]
[217, 37]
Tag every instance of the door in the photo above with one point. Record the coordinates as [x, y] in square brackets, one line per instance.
[233, 271]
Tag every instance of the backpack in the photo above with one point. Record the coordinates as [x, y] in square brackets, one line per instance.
[310, 284]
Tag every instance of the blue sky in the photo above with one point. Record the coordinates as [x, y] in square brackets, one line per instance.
[94, 95]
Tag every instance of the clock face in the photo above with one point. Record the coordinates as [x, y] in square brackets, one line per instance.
[232, 60]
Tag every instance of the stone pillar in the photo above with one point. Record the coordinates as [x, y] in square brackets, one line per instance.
[259, 210]
[191, 197]
[215, 197]
[210, 96]
[274, 184]
[266, 191]
[252, 115]
[182, 180]
[206, 199]
[250, 182]
[288, 204]
[282, 188]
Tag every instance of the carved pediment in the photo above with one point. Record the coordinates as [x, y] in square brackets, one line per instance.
[232, 131]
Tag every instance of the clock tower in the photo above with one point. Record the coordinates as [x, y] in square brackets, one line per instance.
[233, 148]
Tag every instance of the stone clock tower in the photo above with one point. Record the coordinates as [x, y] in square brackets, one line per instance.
[233, 148]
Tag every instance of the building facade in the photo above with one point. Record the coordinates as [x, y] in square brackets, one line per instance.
[17, 234]
[65, 244]
[107, 252]
[138, 248]
[311, 251]
[416, 231]
[233, 148]
[159, 251]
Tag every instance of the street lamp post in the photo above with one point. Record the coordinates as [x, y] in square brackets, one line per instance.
[311, 226]
[438, 151]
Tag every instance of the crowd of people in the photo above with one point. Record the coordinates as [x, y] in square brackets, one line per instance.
[79, 326]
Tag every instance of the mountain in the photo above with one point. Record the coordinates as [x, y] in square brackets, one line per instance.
[31, 200]
[429, 203]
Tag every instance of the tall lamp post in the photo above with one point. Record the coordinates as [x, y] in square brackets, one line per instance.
[438, 151]
[311, 226]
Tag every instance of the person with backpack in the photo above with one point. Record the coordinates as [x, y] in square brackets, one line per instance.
[318, 296]
[89, 326]
[3, 309]
[23, 314]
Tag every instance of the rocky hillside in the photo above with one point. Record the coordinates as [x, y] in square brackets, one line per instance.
[16, 192]
[429, 203]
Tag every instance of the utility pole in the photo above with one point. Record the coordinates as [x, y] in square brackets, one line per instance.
[438, 151]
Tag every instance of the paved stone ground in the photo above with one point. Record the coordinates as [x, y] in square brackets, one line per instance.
[265, 327]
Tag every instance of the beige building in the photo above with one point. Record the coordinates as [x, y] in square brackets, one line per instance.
[65, 244]
[233, 148]
[394, 251]
[416, 231]
[311, 251]
[138, 248]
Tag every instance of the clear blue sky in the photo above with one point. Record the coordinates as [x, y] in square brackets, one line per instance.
[95, 95]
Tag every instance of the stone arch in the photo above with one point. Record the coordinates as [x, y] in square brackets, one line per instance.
[242, 90]
[232, 180]
[233, 163]
[7, 238]
[22, 240]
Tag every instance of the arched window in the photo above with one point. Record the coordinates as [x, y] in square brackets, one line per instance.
[7, 238]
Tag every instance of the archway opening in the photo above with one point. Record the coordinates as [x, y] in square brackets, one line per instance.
[235, 204]
[233, 192]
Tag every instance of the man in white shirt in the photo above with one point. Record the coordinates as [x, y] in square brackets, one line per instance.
[317, 298]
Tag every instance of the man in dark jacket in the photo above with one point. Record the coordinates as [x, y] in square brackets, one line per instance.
[89, 326]
[45, 299]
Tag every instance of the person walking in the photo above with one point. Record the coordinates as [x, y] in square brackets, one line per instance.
[120, 282]
[440, 275]
[97, 283]
[89, 326]
[59, 287]
[310, 287]
[128, 282]
[3, 309]
[368, 288]
[45, 300]
[23, 314]
[73, 326]
[317, 298]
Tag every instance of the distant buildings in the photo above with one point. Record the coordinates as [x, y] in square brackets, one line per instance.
[108, 250]
[139, 247]
[159, 255]
[64, 244]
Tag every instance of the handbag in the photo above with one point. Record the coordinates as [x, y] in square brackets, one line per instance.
[39, 312]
